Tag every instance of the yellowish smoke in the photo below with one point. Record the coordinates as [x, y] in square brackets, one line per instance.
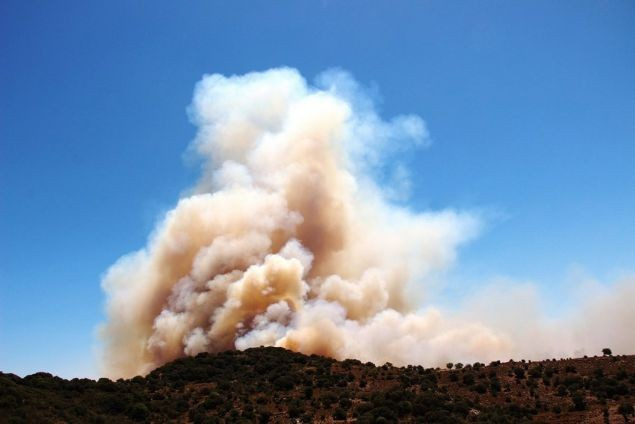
[286, 241]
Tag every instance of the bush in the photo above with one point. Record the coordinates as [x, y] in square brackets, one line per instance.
[468, 379]
[495, 386]
[519, 373]
[295, 409]
[328, 399]
[404, 407]
[480, 388]
[579, 404]
[535, 372]
[263, 415]
[284, 382]
[339, 414]
[345, 402]
[111, 404]
[625, 409]
[213, 400]
[138, 412]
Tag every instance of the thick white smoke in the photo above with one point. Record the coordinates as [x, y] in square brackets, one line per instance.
[286, 241]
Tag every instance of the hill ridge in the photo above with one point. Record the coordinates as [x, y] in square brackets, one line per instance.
[275, 385]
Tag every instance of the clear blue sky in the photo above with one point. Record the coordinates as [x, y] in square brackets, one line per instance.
[530, 105]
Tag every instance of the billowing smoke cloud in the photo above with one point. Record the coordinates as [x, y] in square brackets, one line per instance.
[287, 241]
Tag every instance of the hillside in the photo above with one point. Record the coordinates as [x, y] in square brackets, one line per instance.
[279, 386]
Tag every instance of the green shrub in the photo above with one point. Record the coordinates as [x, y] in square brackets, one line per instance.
[579, 403]
[468, 379]
[138, 411]
[480, 388]
[284, 382]
[339, 414]
[519, 373]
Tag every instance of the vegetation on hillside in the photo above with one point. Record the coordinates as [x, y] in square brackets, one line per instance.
[275, 385]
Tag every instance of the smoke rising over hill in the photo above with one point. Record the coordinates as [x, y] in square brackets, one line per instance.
[287, 241]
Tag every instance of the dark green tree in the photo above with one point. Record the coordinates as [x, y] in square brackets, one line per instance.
[625, 409]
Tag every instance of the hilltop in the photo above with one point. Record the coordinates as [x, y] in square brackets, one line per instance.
[275, 385]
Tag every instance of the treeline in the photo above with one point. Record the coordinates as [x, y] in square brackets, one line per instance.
[275, 385]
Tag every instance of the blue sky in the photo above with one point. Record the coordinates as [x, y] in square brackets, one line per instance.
[530, 106]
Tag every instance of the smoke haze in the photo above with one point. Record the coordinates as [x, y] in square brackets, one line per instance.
[286, 240]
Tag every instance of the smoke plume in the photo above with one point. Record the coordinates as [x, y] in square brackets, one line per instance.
[287, 241]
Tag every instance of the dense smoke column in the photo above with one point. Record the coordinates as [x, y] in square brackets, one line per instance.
[286, 240]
